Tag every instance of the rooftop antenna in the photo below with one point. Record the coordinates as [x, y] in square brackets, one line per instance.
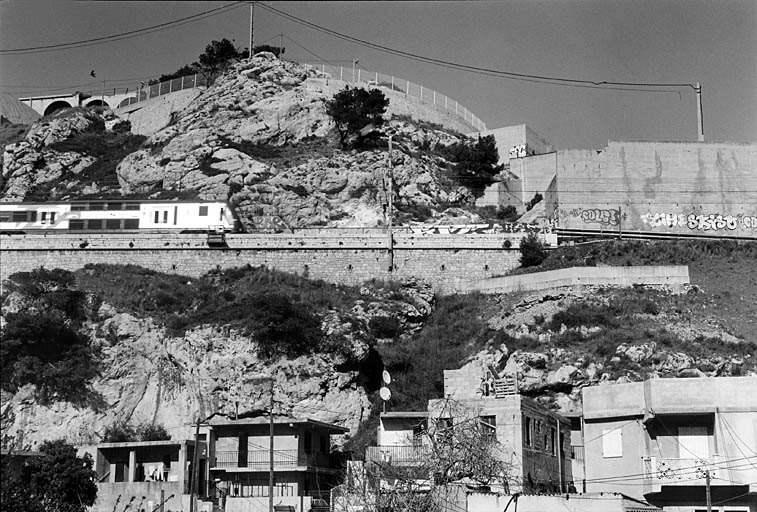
[385, 393]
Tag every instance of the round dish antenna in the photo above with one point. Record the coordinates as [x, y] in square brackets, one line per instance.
[386, 377]
[385, 394]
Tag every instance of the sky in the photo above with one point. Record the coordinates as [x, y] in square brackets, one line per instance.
[713, 42]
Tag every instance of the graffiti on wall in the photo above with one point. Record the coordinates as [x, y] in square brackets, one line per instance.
[604, 216]
[519, 151]
[700, 222]
[269, 223]
[475, 229]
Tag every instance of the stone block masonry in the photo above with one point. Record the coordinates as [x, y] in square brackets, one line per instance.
[445, 261]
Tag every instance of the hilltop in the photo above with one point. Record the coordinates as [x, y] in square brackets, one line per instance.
[260, 138]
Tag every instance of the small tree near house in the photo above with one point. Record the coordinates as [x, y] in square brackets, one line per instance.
[532, 251]
[352, 109]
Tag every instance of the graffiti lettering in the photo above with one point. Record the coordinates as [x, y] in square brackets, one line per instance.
[604, 216]
[474, 229]
[700, 222]
[269, 223]
[518, 151]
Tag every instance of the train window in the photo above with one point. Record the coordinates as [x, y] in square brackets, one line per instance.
[131, 224]
[221, 217]
[43, 217]
[165, 217]
[78, 207]
[20, 216]
[203, 211]
[5, 216]
[97, 206]
[52, 216]
[115, 206]
[33, 216]
[95, 223]
[132, 206]
[75, 224]
[157, 217]
[113, 224]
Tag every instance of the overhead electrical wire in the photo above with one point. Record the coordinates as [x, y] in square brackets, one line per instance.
[571, 82]
[124, 35]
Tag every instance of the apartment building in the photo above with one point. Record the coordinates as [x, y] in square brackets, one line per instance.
[239, 462]
[533, 440]
[660, 439]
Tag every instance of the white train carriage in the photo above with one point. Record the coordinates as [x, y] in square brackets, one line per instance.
[115, 215]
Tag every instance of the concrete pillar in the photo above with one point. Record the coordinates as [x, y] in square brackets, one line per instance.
[132, 466]
[183, 476]
[112, 477]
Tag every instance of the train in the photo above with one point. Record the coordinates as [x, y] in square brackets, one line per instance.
[117, 215]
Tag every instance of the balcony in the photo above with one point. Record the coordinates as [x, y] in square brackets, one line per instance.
[659, 471]
[398, 455]
[259, 460]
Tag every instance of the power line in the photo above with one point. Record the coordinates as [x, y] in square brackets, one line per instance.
[123, 35]
[605, 84]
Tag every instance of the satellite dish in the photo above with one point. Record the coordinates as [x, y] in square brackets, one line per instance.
[386, 377]
[385, 394]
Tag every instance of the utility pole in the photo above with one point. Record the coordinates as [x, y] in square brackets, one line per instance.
[700, 120]
[252, 11]
[193, 484]
[391, 179]
[270, 436]
[707, 490]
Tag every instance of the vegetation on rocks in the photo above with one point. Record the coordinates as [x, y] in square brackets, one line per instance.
[355, 110]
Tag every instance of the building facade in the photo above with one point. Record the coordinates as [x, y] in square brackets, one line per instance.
[660, 439]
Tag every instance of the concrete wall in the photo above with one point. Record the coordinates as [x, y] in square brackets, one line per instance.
[597, 466]
[260, 504]
[486, 502]
[534, 174]
[149, 116]
[446, 261]
[112, 496]
[675, 276]
[509, 136]
[665, 187]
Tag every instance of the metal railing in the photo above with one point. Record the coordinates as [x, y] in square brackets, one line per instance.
[577, 452]
[406, 87]
[260, 459]
[668, 470]
[398, 455]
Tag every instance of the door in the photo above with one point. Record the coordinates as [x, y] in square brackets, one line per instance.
[693, 443]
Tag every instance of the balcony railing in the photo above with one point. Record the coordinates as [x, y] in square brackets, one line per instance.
[672, 471]
[260, 459]
[397, 455]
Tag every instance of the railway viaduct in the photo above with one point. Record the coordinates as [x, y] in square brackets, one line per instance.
[45, 105]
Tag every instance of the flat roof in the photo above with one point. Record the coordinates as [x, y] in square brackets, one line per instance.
[280, 420]
[404, 414]
[137, 444]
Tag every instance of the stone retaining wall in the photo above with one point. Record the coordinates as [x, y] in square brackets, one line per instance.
[446, 261]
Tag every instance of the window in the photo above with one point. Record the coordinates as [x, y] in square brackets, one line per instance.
[52, 217]
[527, 426]
[612, 443]
[5, 216]
[444, 429]
[97, 206]
[76, 224]
[308, 441]
[203, 211]
[80, 207]
[165, 217]
[552, 441]
[221, 216]
[20, 216]
[132, 206]
[693, 442]
[131, 224]
[488, 427]
[96, 224]
[323, 444]
[114, 206]
[113, 224]
[157, 217]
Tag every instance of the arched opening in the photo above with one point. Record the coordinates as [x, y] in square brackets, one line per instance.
[127, 101]
[55, 106]
[97, 103]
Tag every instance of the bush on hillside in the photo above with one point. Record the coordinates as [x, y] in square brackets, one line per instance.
[475, 163]
[353, 109]
[532, 251]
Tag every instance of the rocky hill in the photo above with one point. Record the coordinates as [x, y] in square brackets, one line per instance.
[259, 137]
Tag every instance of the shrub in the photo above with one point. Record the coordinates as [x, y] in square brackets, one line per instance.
[384, 326]
[532, 251]
[119, 432]
[475, 163]
[354, 109]
[152, 432]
